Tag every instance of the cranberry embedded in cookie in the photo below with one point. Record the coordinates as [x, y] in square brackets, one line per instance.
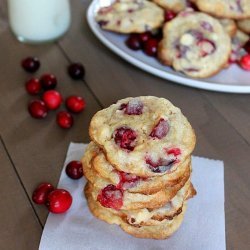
[111, 197]
[160, 130]
[133, 107]
[125, 137]
[127, 180]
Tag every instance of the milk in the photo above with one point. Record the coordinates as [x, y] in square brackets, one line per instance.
[39, 20]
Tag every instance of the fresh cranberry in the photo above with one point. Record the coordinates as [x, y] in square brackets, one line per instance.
[247, 46]
[160, 130]
[64, 119]
[111, 197]
[161, 165]
[33, 86]
[150, 47]
[169, 15]
[48, 81]
[52, 99]
[41, 193]
[127, 180]
[133, 107]
[174, 151]
[75, 104]
[125, 137]
[133, 42]
[207, 47]
[245, 62]
[76, 71]
[37, 109]
[59, 201]
[30, 64]
[143, 37]
[74, 170]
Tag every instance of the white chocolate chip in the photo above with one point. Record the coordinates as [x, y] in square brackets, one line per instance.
[187, 40]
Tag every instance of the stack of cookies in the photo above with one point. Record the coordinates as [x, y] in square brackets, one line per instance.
[138, 166]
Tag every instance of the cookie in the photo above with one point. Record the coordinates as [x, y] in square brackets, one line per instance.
[155, 232]
[146, 136]
[130, 16]
[126, 181]
[173, 5]
[229, 26]
[244, 25]
[234, 9]
[111, 196]
[195, 44]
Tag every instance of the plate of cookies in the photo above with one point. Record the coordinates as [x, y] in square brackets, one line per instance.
[194, 43]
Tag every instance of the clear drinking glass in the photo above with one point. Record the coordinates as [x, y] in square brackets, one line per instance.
[38, 21]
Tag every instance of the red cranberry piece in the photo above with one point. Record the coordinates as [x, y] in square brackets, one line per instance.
[161, 165]
[133, 107]
[52, 99]
[41, 193]
[245, 62]
[37, 109]
[207, 47]
[174, 151]
[127, 180]
[30, 64]
[169, 15]
[111, 197]
[76, 71]
[143, 37]
[74, 170]
[64, 119]
[75, 104]
[133, 42]
[150, 47]
[48, 81]
[125, 137]
[247, 46]
[160, 130]
[33, 86]
[59, 201]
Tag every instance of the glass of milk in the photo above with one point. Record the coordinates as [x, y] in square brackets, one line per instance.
[38, 21]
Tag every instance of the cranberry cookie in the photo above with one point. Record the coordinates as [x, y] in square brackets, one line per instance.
[130, 16]
[195, 43]
[235, 9]
[146, 136]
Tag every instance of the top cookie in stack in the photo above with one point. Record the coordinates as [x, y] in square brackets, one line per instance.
[139, 165]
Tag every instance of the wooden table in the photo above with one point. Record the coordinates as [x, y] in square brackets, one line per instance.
[33, 151]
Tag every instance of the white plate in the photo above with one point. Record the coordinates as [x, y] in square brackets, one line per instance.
[232, 80]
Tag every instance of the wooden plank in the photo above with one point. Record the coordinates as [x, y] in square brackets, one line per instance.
[37, 147]
[20, 228]
[111, 78]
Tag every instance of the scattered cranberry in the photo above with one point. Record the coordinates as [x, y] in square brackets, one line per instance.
[245, 62]
[143, 37]
[31, 64]
[169, 15]
[48, 81]
[52, 99]
[59, 201]
[37, 109]
[74, 170]
[33, 86]
[41, 193]
[125, 137]
[247, 46]
[75, 104]
[133, 42]
[111, 197]
[64, 119]
[76, 71]
[160, 130]
[150, 47]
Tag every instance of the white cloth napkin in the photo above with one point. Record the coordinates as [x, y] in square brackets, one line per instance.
[203, 226]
